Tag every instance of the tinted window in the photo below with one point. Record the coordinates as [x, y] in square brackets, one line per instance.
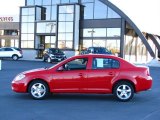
[55, 51]
[8, 49]
[104, 63]
[17, 49]
[76, 64]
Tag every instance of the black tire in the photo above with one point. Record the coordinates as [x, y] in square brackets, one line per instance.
[123, 91]
[15, 57]
[38, 89]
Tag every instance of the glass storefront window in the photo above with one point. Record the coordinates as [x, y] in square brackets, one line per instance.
[88, 11]
[24, 18]
[46, 2]
[30, 27]
[61, 36]
[69, 36]
[66, 9]
[61, 44]
[48, 12]
[69, 17]
[54, 13]
[113, 45]
[65, 36]
[99, 7]
[38, 13]
[83, 1]
[46, 27]
[53, 39]
[99, 32]
[87, 32]
[55, 2]
[31, 11]
[113, 32]
[27, 37]
[69, 44]
[65, 17]
[99, 43]
[24, 11]
[73, 1]
[30, 36]
[27, 44]
[31, 18]
[65, 27]
[70, 9]
[47, 39]
[38, 2]
[69, 26]
[112, 14]
[65, 44]
[62, 17]
[61, 27]
[24, 28]
[30, 2]
[64, 1]
[24, 36]
[87, 43]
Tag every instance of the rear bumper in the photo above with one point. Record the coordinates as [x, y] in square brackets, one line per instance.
[144, 84]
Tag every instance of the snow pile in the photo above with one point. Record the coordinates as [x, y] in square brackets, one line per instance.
[154, 63]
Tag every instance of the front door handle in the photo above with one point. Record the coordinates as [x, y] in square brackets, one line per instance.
[81, 74]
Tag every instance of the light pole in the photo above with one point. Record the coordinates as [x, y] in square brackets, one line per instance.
[92, 32]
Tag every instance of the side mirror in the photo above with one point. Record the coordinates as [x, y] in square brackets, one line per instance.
[60, 69]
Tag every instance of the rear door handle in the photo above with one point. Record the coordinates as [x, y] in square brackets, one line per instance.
[111, 73]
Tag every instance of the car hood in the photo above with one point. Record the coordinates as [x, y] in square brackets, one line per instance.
[34, 70]
[58, 54]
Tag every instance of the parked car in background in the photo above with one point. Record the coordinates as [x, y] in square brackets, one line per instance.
[53, 55]
[91, 73]
[11, 52]
[96, 50]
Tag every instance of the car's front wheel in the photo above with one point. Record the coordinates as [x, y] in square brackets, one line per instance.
[123, 91]
[38, 89]
[15, 57]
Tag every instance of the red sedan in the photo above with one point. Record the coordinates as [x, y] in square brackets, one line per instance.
[102, 74]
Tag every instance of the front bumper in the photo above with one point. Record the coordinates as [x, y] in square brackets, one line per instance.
[57, 59]
[18, 87]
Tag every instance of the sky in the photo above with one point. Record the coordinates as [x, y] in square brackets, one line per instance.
[144, 13]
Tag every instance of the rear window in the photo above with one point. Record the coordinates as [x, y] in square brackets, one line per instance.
[105, 63]
[18, 49]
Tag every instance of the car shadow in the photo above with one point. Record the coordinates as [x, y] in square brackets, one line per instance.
[68, 97]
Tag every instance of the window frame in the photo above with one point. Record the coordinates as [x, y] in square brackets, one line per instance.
[103, 68]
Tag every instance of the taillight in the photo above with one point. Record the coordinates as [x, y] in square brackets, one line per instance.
[148, 73]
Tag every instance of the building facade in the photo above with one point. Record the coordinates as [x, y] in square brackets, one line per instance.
[74, 25]
[9, 31]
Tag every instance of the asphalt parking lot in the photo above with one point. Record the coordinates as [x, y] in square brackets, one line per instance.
[16, 106]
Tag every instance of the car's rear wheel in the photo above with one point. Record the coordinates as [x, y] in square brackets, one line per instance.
[38, 89]
[15, 57]
[123, 91]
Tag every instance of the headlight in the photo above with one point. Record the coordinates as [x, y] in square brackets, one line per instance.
[19, 77]
[51, 55]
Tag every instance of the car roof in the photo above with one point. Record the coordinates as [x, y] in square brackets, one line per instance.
[96, 55]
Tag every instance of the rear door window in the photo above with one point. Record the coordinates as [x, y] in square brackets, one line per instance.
[105, 63]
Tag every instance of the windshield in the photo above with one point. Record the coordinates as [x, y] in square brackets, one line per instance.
[55, 51]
